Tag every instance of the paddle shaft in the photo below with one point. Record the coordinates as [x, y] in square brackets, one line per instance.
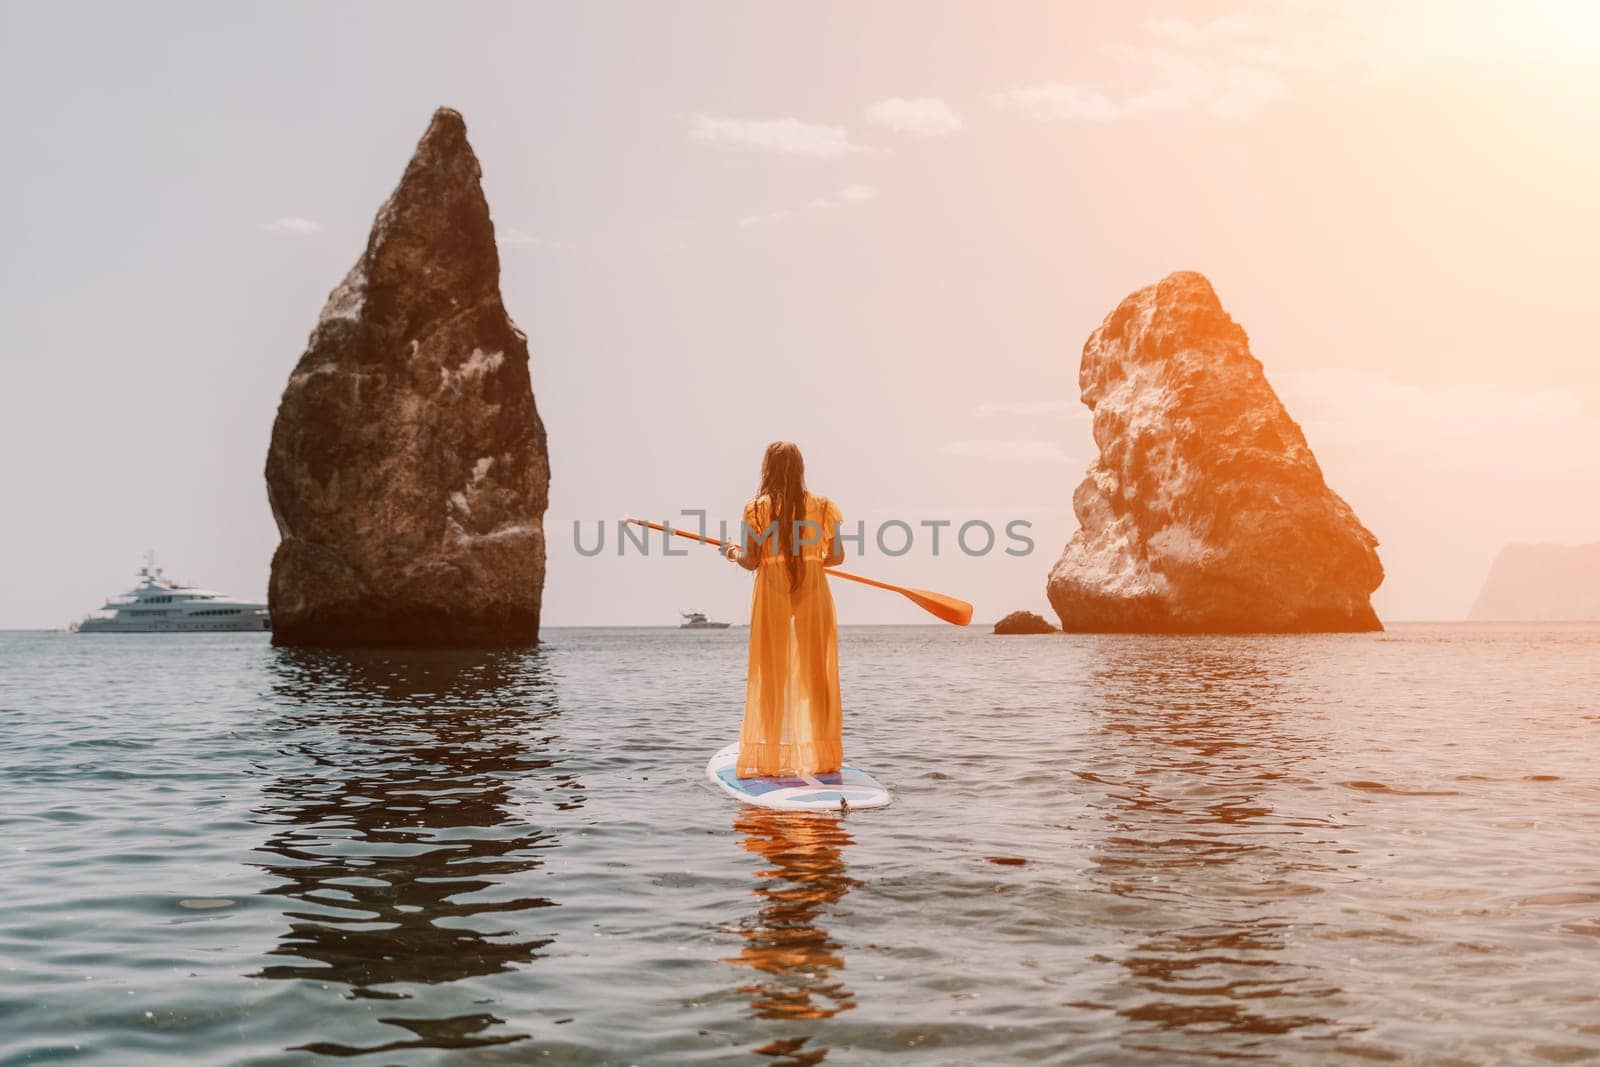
[916, 595]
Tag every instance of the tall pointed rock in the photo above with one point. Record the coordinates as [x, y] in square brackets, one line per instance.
[408, 471]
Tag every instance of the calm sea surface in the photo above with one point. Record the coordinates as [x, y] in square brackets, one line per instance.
[1303, 849]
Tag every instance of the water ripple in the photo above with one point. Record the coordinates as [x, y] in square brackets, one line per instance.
[1103, 850]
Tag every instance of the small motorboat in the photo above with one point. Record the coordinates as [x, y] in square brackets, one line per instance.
[697, 620]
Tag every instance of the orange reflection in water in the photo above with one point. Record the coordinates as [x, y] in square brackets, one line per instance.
[785, 940]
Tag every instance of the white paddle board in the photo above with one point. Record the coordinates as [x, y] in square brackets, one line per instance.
[803, 792]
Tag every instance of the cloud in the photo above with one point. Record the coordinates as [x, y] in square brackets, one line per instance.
[293, 224]
[990, 408]
[1178, 82]
[1060, 100]
[763, 218]
[849, 196]
[511, 237]
[1349, 407]
[925, 116]
[1011, 451]
[787, 136]
[1231, 67]
[1234, 66]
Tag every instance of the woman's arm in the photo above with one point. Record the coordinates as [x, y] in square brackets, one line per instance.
[747, 555]
[831, 519]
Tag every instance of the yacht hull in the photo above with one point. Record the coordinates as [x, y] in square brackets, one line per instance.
[242, 624]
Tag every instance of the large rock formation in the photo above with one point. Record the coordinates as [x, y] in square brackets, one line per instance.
[408, 471]
[1206, 511]
[1541, 582]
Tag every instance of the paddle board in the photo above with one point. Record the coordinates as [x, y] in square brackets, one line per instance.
[806, 792]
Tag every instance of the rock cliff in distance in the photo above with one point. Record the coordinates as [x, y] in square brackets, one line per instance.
[1548, 583]
[1205, 511]
[408, 472]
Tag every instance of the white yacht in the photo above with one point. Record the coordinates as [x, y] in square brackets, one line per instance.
[159, 605]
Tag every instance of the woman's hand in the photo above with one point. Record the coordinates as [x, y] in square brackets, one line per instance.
[732, 553]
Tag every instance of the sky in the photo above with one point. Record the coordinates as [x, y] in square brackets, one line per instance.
[882, 231]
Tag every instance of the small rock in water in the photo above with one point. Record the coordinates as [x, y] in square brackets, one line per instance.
[1023, 622]
[1008, 861]
[201, 903]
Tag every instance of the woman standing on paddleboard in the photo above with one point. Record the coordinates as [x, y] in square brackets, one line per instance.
[792, 718]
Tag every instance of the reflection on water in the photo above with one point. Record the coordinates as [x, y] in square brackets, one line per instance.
[1300, 850]
[1196, 735]
[785, 942]
[407, 837]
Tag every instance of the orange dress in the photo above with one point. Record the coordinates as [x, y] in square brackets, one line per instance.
[792, 718]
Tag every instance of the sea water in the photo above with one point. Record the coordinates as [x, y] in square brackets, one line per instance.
[1102, 850]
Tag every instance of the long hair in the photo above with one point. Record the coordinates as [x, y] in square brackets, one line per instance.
[783, 480]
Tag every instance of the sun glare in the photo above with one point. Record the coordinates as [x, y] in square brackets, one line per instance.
[1558, 31]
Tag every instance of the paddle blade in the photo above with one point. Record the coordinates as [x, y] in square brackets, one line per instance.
[953, 611]
[956, 612]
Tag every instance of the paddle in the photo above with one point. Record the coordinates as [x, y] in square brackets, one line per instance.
[956, 612]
